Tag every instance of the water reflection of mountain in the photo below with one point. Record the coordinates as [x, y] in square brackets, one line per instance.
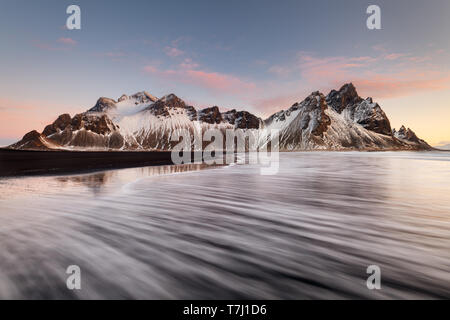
[96, 182]
[98, 179]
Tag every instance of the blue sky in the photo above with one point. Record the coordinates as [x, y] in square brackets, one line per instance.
[255, 55]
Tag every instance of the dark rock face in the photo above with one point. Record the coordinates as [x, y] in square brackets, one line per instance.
[210, 115]
[368, 114]
[406, 134]
[371, 117]
[246, 120]
[123, 98]
[171, 101]
[280, 115]
[48, 130]
[59, 124]
[100, 124]
[77, 121]
[142, 97]
[314, 107]
[311, 115]
[116, 141]
[33, 140]
[192, 113]
[83, 130]
[30, 136]
[161, 106]
[345, 97]
[323, 120]
[303, 126]
[103, 104]
[409, 136]
[242, 119]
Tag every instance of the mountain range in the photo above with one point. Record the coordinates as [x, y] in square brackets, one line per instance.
[341, 120]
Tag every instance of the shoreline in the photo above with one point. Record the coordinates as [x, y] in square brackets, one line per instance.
[30, 162]
[15, 163]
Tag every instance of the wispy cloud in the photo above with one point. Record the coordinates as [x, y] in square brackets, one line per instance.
[173, 51]
[393, 56]
[270, 105]
[67, 41]
[188, 63]
[173, 48]
[61, 44]
[188, 73]
[384, 75]
[407, 77]
[318, 70]
[396, 85]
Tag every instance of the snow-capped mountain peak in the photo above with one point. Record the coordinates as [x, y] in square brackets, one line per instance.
[365, 112]
[144, 97]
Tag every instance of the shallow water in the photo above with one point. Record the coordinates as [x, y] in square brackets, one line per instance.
[224, 233]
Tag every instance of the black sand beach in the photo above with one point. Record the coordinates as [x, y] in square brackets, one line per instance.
[21, 162]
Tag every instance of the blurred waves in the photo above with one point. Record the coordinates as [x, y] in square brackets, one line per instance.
[196, 232]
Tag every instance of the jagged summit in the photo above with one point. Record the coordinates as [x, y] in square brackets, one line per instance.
[103, 104]
[346, 96]
[144, 97]
[365, 112]
[408, 135]
[171, 101]
[341, 120]
[242, 119]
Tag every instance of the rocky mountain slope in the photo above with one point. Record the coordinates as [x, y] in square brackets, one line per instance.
[339, 121]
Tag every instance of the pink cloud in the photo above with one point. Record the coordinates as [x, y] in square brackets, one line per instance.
[173, 52]
[319, 71]
[311, 66]
[370, 76]
[189, 64]
[214, 81]
[419, 59]
[150, 69]
[365, 72]
[379, 47]
[67, 41]
[218, 81]
[390, 86]
[393, 56]
[62, 44]
[47, 47]
[268, 106]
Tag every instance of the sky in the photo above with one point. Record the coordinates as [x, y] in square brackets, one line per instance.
[255, 55]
